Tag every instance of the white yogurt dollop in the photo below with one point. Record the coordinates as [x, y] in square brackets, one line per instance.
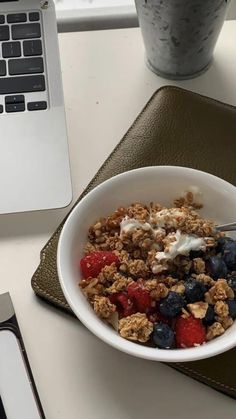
[130, 224]
[182, 245]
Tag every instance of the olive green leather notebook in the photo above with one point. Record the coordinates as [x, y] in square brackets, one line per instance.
[176, 127]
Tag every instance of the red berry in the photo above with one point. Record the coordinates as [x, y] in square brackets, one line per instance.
[140, 296]
[157, 318]
[125, 306]
[92, 264]
[189, 332]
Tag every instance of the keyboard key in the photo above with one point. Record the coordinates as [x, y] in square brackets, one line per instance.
[11, 49]
[16, 18]
[14, 99]
[37, 106]
[4, 33]
[15, 107]
[3, 69]
[25, 66]
[27, 31]
[2, 19]
[1, 109]
[32, 48]
[24, 84]
[34, 16]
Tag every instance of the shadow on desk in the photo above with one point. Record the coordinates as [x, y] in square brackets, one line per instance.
[214, 81]
[31, 223]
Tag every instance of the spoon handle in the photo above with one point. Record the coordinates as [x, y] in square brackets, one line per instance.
[226, 227]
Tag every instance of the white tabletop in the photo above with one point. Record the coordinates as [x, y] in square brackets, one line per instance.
[106, 84]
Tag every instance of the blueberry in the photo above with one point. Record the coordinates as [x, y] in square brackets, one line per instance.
[229, 255]
[172, 304]
[232, 282]
[232, 308]
[163, 336]
[221, 242]
[209, 317]
[194, 290]
[216, 267]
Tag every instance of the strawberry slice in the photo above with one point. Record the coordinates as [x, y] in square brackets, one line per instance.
[189, 332]
[92, 264]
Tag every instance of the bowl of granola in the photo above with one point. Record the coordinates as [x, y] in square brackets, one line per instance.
[143, 266]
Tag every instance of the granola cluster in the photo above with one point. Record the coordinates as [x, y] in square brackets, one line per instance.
[136, 327]
[151, 265]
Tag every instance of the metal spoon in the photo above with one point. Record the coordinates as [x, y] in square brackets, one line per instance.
[226, 227]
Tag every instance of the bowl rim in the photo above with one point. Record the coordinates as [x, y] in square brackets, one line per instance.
[132, 348]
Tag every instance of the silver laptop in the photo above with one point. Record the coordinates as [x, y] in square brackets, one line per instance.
[34, 161]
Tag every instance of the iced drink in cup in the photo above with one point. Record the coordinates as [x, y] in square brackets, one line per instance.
[180, 35]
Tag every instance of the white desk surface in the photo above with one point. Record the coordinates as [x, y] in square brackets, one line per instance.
[106, 84]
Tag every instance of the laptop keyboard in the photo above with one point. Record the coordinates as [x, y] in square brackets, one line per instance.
[22, 66]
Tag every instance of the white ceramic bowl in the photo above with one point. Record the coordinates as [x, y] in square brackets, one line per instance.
[161, 184]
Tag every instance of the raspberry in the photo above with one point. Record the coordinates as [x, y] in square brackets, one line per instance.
[92, 264]
[124, 305]
[140, 296]
[189, 332]
[157, 318]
